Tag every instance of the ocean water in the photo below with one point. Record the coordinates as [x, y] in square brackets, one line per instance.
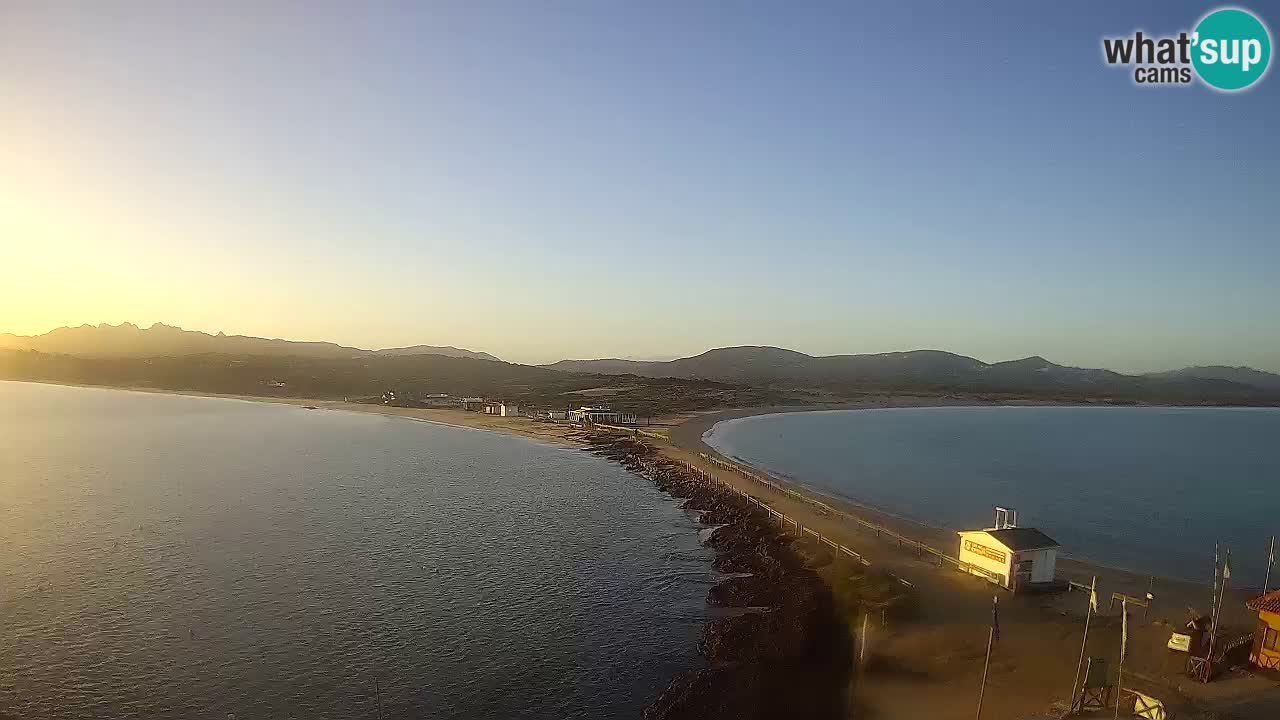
[176, 557]
[1146, 489]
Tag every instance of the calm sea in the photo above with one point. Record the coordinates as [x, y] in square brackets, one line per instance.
[1148, 489]
[176, 557]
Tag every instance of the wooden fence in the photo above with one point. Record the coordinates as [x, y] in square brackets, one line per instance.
[783, 521]
[633, 431]
[881, 531]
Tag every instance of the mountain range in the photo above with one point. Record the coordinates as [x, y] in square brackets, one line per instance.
[160, 340]
[930, 371]
[924, 368]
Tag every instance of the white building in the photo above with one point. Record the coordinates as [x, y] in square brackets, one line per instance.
[1015, 558]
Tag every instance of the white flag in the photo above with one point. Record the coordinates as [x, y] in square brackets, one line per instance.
[1093, 600]
[1226, 567]
[1124, 628]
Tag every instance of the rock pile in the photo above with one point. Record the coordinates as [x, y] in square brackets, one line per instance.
[785, 656]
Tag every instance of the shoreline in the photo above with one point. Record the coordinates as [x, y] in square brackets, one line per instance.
[689, 436]
[548, 432]
[784, 652]
[686, 432]
[930, 657]
[959, 607]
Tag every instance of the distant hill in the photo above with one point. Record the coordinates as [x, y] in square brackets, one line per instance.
[1242, 375]
[773, 365]
[932, 371]
[163, 356]
[445, 350]
[160, 340]
[365, 378]
[777, 365]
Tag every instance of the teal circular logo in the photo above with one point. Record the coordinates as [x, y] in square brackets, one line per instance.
[1232, 49]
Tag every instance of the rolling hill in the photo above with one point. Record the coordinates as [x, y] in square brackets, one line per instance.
[777, 365]
[1243, 375]
[365, 379]
[160, 340]
[936, 371]
[172, 358]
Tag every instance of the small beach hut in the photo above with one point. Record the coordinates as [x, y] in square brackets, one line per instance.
[502, 408]
[1015, 558]
[1265, 652]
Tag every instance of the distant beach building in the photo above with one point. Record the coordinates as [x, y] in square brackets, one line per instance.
[1266, 642]
[503, 409]
[602, 415]
[1015, 558]
[556, 414]
[472, 403]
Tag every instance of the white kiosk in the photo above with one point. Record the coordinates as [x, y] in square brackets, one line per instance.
[1015, 558]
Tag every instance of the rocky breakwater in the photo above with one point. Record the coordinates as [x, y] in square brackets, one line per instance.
[783, 654]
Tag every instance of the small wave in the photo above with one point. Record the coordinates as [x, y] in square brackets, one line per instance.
[705, 533]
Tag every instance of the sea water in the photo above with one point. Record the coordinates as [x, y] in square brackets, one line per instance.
[178, 557]
[1147, 489]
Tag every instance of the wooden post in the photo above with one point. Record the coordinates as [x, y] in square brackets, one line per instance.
[1124, 642]
[378, 693]
[991, 637]
[862, 642]
[1075, 684]
[1151, 597]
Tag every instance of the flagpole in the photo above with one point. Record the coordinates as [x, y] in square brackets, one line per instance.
[1213, 636]
[1124, 642]
[1271, 559]
[991, 636]
[1075, 684]
[1217, 564]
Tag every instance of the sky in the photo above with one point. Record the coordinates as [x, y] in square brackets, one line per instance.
[569, 179]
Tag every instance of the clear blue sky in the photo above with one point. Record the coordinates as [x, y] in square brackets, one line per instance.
[589, 179]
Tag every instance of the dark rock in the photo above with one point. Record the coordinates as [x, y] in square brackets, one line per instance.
[787, 661]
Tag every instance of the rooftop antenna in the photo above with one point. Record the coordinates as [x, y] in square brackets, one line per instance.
[1006, 518]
